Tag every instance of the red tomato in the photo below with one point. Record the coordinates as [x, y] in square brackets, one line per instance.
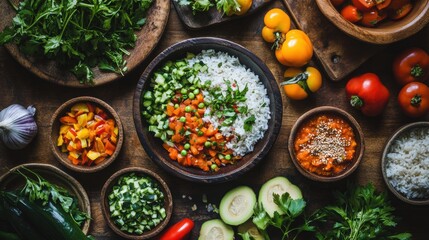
[351, 13]
[179, 230]
[414, 99]
[401, 12]
[337, 3]
[384, 4]
[363, 5]
[411, 65]
[371, 18]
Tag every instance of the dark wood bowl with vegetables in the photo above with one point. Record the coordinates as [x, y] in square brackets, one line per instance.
[326, 144]
[136, 203]
[404, 163]
[73, 48]
[388, 25]
[193, 148]
[53, 183]
[86, 134]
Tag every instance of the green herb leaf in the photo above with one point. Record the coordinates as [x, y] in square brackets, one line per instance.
[248, 123]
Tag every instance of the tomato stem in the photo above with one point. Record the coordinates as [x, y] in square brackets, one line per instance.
[416, 100]
[278, 42]
[417, 71]
[356, 101]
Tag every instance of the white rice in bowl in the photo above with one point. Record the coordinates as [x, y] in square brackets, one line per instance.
[407, 163]
[223, 68]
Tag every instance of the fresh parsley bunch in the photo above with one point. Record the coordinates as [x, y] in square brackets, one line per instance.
[78, 34]
[360, 214]
[291, 222]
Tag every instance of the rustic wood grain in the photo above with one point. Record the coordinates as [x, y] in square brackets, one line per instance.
[212, 17]
[17, 85]
[147, 38]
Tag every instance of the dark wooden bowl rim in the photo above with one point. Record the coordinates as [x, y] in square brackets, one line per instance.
[358, 136]
[153, 147]
[386, 149]
[386, 32]
[62, 157]
[57, 176]
[168, 205]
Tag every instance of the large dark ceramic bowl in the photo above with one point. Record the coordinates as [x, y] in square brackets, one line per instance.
[153, 146]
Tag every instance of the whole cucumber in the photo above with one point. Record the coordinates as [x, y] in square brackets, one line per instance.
[49, 219]
[9, 236]
[24, 229]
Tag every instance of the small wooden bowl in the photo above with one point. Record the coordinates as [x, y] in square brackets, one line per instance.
[386, 32]
[55, 128]
[153, 145]
[332, 111]
[402, 130]
[168, 202]
[11, 181]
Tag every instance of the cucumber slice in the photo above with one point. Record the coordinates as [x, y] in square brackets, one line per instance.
[277, 185]
[249, 227]
[236, 207]
[215, 229]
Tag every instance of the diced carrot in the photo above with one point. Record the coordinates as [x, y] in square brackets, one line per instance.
[173, 153]
[75, 161]
[201, 140]
[170, 110]
[212, 153]
[194, 150]
[187, 102]
[176, 138]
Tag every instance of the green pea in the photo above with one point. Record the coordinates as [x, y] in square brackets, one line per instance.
[182, 119]
[191, 96]
[207, 144]
[184, 152]
[228, 157]
[188, 109]
[200, 133]
[220, 156]
[183, 91]
[176, 105]
[213, 166]
[201, 105]
[187, 146]
[196, 91]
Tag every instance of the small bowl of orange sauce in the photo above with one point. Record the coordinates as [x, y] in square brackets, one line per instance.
[326, 144]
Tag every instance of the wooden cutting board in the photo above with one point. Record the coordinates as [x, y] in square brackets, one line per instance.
[339, 53]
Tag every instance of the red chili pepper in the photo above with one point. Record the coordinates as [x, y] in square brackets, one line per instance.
[179, 230]
[367, 93]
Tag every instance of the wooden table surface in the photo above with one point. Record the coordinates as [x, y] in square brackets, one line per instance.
[17, 85]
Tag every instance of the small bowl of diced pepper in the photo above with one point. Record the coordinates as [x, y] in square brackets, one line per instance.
[86, 134]
[136, 203]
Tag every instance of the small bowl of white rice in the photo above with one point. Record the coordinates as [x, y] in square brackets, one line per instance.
[405, 163]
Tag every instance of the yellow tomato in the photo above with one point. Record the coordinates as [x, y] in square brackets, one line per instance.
[297, 49]
[244, 6]
[277, 24]
[299, 84]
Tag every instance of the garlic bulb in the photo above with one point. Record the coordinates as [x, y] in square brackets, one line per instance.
[17, 126]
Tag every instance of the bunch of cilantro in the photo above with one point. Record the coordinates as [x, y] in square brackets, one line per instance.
[78, 34]
[224, 6]
[360, 213]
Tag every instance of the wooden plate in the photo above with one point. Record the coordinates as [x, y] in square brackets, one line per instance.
[11, 180]
[211, 17]
[147, 38]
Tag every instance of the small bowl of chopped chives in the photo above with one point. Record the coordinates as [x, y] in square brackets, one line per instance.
[326, 144]
[404, 163]
[136, 203]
